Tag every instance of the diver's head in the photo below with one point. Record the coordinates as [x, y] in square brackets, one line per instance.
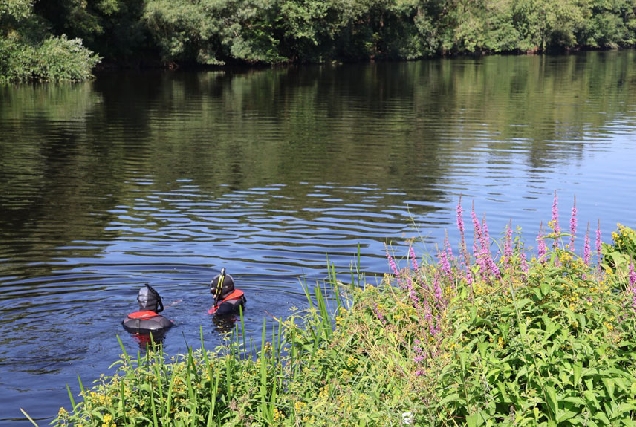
[149, 299]
[221, 285]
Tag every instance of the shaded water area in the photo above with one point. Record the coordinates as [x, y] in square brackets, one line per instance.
[165, 178]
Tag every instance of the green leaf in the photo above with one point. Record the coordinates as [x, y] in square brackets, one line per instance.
[577, 370]
[591, 398]
[575, 400]
[551, 400]
[625, 408]
[474, 420]
[609, 385]
[545, 288]
[502, 389]
[550, 326]
[565, 415]
[602, 417]
[450, 398]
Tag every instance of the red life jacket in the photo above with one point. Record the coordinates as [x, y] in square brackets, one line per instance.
[144, 321]
[142, 314]
[236, 298]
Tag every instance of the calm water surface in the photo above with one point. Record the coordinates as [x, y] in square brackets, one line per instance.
[165, 178]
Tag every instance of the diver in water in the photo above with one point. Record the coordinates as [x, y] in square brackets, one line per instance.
[147, 319]
[227, 299]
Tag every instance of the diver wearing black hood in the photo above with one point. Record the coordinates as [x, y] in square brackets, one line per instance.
[227, 299]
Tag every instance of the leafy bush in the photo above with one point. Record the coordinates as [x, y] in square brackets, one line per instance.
[56, 58]
[622, 252]
[544, 350]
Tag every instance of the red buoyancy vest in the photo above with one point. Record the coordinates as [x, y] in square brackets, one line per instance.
[145, 320]
[142, 315]
[234, 298]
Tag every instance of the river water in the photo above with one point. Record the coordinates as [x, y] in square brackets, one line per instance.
[165, 178]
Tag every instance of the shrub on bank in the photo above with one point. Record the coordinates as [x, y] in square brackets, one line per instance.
[54, 59]
[470, 339]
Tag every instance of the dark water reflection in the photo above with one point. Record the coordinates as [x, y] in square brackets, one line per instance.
[167, 177]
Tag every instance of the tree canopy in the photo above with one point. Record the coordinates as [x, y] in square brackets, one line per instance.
[66, 38]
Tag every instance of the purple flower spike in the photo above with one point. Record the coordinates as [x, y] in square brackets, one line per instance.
[478, 239]
[444, 263]
[586, 246]
[460, 219]
[378, 313]
[632, 284]
[573, 223]
[449, 249]
[598, 243]
[462, 231]
[392, 263]
[413, 258]
[555, 218]
[555, 213]
[437, 289]
[541, 247]
[508, 245]
[524, 263]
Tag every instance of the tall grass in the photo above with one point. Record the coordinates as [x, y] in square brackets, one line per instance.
[473, 337]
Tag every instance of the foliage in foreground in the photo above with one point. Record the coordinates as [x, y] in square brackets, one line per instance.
[469, 339]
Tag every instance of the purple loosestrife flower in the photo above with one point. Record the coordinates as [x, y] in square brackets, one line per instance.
[586, 246]
[449, 257]
[449, 249]
[478, 234]
[412, 293]
[419, 352]
[469, 278]
[392, 263]
[428, 317]
[524, 263]
[413, 258]
[437, 289]
[541, 246]
[492, 266]
[573, 223]
[555, 219]
[598, 243]
[479, 246]
[462, 231]
[632, 284]
[444, 263]
[494, 270]
[378, 313]
[507, 258]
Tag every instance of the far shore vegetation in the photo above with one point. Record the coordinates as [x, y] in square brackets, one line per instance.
[483, 332]
[68, 39]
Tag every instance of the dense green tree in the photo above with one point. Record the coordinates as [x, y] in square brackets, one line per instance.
[310, 28]
[213, 31]
[110, 27]
[612, 24]
[549, 24]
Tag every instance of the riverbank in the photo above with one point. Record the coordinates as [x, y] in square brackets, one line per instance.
[478, 334]
[45, 41]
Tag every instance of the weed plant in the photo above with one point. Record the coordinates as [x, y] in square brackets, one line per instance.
[472, 337]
